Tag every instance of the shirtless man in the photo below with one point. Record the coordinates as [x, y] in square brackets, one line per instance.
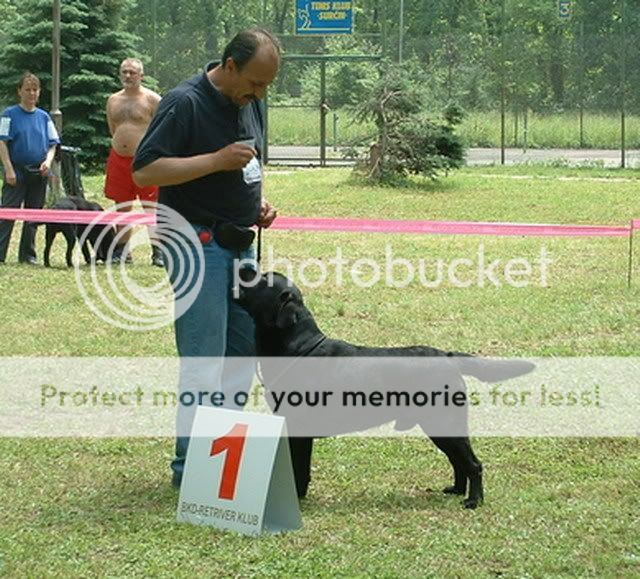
[129, 112]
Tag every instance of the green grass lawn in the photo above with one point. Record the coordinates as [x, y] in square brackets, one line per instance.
[600, 131]
[554, 507]
[298, 126]
[295, 126]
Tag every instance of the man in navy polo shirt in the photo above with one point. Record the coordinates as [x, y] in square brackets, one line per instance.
[28, 140]
[203, 148]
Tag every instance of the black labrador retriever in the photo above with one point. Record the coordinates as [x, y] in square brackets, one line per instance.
[100, 236]
[286, 329]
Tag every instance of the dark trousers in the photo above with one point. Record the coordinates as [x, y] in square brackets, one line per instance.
[30, 192]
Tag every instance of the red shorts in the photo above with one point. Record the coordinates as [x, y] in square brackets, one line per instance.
[119, 185]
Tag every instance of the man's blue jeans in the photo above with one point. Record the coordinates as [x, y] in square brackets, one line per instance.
[214, 336]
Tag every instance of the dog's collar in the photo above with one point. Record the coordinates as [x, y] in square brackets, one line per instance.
[313, 346]
[306, 353]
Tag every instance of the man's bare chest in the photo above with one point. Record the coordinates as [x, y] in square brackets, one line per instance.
[136, 111]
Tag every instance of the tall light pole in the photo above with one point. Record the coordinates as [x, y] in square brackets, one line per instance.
[56, 113]
[154, 43]
[401, 32]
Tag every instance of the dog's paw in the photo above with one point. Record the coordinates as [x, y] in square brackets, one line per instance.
[472, 503]
[453, 490]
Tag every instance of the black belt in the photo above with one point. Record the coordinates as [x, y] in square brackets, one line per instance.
[228, 235]
[29, 170]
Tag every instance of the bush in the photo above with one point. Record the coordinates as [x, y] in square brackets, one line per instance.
[408, 142]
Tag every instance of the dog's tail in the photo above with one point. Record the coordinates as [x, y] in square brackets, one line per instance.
[490, 370]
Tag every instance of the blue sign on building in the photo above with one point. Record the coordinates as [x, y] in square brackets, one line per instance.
[321, 17]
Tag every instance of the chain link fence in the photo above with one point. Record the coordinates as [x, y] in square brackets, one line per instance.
[553, 75]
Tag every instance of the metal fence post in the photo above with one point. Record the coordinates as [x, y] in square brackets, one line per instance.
[323, 113]
[623, 85]
[503, 90]
[582, 67]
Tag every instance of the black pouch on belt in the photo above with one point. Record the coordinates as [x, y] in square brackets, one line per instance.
[232, 236]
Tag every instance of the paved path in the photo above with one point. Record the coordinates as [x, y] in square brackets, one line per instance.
[609, 158]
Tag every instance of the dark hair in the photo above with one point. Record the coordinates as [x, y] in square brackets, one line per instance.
[28, 76]
[245, 44]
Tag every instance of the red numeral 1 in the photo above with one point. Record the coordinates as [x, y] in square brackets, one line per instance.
[233, 442]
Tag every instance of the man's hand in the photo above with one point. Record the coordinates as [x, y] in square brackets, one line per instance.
[10, 177]
[167, 171]
[234, 156]
[267, 214]
[45, 167]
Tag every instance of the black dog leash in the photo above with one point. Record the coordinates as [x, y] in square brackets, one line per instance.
[259, 249]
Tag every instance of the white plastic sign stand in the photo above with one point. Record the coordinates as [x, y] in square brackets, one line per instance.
[238, 474]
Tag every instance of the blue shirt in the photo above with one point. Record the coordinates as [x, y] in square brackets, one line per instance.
[29, 135]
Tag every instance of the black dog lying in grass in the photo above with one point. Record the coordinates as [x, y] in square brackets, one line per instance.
[285, 328]
[73, 232]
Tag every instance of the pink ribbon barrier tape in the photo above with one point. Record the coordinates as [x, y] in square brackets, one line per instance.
[339, 225]
[72, 216]
[446, 227]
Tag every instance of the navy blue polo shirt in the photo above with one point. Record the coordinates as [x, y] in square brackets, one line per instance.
[194, 119]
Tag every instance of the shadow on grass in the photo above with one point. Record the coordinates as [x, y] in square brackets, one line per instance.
[391, 501]
[115, 500]
[400, 184]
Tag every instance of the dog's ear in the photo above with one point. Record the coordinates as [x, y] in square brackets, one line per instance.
[287, 314]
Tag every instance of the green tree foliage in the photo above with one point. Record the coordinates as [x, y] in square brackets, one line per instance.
[8, 13]
[181, 36]
[409, 141]
[93, 45]
[466, 48]
[547, 63]
[468, 51]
